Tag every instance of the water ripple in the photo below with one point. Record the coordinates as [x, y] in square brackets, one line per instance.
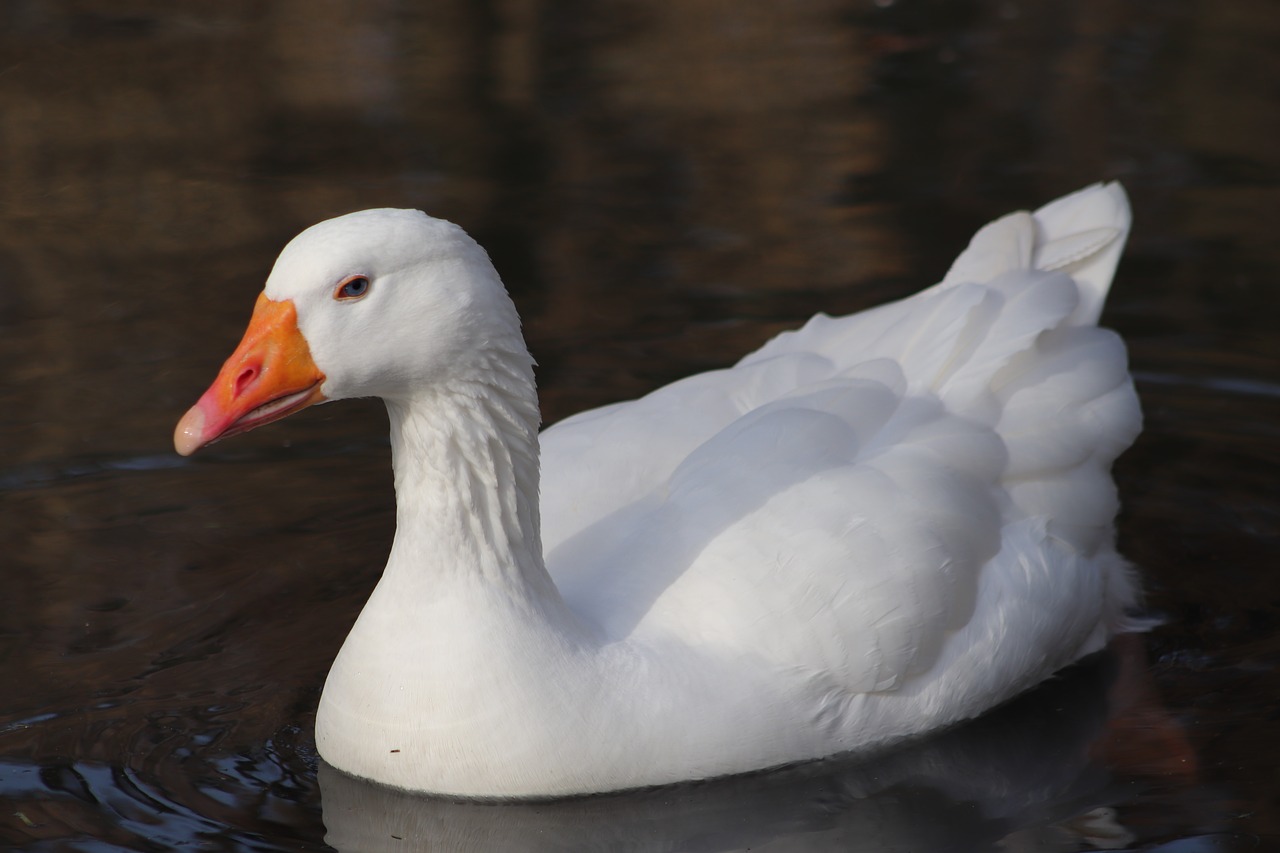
[1223, 384]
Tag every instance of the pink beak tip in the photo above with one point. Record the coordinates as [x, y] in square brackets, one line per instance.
[189, 435]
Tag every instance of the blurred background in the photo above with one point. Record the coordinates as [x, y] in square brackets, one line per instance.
[663, 186]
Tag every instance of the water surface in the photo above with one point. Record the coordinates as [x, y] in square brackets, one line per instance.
[662, 189]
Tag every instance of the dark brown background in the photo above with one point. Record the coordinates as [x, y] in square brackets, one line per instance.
[663, 187]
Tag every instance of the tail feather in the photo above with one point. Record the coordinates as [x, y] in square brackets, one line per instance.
[1081, 234]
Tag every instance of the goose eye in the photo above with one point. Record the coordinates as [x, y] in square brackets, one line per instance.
[352, 288]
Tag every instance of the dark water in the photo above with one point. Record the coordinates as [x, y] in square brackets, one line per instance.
[663, 186]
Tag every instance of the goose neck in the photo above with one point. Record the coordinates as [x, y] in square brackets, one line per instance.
[465, 457]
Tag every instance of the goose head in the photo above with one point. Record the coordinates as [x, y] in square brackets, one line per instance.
[385, 303]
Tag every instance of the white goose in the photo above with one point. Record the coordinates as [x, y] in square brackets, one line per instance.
[872, 527]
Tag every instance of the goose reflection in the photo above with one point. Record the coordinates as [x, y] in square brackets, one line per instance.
[1028, 770]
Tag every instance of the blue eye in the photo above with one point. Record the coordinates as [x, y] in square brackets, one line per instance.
[352, 288]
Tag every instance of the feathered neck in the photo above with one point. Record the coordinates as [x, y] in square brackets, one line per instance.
[465, 456]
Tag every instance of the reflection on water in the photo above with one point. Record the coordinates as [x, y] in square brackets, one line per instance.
[663, 187]
[268, 801]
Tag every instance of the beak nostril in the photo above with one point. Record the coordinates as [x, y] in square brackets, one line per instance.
[245, 379]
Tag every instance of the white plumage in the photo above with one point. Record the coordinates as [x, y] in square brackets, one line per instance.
[872, 527]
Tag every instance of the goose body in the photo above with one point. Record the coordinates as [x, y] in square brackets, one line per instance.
[872, 527]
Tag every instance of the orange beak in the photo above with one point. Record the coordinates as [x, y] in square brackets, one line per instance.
[270, 375]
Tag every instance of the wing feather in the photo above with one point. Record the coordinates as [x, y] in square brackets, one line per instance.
[842, 502]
